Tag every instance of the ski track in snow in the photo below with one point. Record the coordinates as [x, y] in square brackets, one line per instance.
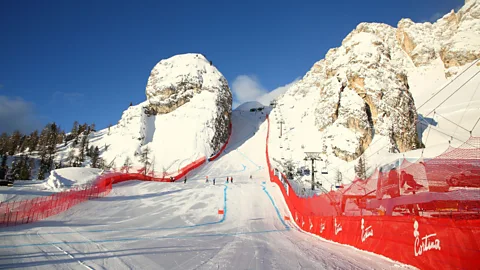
[151, 225]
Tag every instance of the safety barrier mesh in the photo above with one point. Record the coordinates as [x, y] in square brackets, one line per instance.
[424, 213]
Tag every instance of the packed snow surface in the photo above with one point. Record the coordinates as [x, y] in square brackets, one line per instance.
[153, 225]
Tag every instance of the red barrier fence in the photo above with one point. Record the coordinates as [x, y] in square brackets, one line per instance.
[27, 211]
[367, 214]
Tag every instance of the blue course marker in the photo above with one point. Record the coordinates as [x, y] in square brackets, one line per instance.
[276, 208]
[287, 228]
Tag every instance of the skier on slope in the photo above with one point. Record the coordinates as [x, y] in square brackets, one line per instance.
[227, 179]
[206, 181]
[214, 181]
[231, 179]
[185, 180]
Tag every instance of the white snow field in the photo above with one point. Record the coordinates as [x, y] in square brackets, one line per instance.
[153, 225]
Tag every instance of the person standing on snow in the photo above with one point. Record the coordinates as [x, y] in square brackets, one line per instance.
[206, 181]
[227, 179]
[214, 181]
[231, 179]
[185, 180]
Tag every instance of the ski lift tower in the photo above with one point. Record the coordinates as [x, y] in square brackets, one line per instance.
[312, 156]
[281, 122]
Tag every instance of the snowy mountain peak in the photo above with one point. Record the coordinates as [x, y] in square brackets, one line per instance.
[174, 81]
[365, 91]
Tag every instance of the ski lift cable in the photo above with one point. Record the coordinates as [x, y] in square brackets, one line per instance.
[393, 108]
[458, 126]
[465, 111]
[367, 157]
[428, 133]
[430, 112]
[458, 89]
[445, 86]
[475, 125]
[449, 135]
[427, 124]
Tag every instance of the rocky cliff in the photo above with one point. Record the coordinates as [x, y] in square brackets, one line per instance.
[362, 89]
[173, 82]
[185, 117]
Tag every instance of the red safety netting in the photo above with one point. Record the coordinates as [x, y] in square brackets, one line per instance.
[27, 211]
[413, 213]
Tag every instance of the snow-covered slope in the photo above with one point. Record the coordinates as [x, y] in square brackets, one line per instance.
[368, 95]
[186, 117]
[153, 225]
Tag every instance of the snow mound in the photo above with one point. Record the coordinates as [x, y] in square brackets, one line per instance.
[67, 178]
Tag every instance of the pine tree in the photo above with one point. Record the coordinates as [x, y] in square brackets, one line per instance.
[130, 104]
[71, 157]
[14, 142]
[75, 142]
[3, 143]
[44, 165]
[31, 164]
[95, 157]
[127, 165]
[33, 141]
[74, 130]
[145, 159]
[77, 162]
[4, 161]
[22, 144]
[83, 145]
[338, 177]
[101, 163]
[92, 127]
[61, 137]
[90, 151]
[25, 169]
[361, 168]
[16, 168]
[52, 142]
[47, 145]
[87, 145]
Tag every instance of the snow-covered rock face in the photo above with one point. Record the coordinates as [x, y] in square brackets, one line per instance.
[186, 118]
[173, 82]
[454, 38]
[363, 88]
[363, 91]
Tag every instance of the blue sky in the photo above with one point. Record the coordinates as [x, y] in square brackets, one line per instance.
[87, 60]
